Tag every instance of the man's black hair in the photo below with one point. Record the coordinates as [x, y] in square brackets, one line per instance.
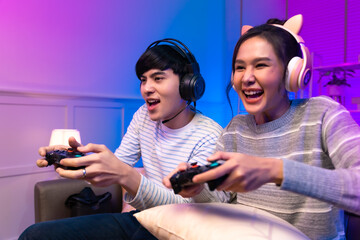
[162, 57]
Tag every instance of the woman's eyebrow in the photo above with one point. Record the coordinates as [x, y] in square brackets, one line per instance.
[254, 60]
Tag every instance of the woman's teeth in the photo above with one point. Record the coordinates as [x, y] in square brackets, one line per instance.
[253, 94]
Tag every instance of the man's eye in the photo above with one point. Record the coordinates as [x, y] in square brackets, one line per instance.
[159, 78]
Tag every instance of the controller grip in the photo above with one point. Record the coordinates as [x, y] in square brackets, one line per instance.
[54, 157]
[175, 185]
[213, 184]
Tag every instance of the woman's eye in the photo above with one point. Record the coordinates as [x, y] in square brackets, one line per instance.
[239, 68]
[261, 65]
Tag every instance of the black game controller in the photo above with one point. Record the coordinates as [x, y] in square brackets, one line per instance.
[55, 156]
[184, 178]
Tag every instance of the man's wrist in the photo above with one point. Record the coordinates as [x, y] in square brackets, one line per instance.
[130, 180]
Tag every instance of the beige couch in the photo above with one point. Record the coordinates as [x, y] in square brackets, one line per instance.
[50, 197]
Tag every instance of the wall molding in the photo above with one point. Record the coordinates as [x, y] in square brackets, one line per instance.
[21, 109]
[23, 170]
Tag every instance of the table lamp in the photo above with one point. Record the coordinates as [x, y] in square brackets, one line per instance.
[61, 136]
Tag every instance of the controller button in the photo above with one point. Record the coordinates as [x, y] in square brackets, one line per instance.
[214, 164]
[194, 165]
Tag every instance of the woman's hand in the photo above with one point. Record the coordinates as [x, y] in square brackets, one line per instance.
[185, 192]
[246, 173]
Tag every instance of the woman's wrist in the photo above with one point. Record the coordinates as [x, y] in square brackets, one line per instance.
[277, 171]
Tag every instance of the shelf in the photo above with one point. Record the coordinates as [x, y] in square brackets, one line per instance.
[344, 66]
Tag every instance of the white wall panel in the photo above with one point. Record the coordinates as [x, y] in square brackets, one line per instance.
[27, 120]
[25, 127]
[106, 121]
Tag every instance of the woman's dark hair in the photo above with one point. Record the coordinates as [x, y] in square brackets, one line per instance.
[162, 57]
[284, 44]
[275, 21]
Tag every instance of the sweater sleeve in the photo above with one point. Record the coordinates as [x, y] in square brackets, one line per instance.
[150, 194]
[339, 186]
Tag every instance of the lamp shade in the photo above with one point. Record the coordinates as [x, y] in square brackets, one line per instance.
[61, 136]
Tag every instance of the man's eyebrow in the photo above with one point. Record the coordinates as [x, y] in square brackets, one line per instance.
[157, 73]
[154, 74]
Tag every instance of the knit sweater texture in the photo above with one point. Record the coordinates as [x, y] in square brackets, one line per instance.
[319, 143]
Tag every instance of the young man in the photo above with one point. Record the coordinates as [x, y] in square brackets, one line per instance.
[163, 132]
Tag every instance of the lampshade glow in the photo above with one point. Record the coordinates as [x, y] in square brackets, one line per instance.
[61, 136]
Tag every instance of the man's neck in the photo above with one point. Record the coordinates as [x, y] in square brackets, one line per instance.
[181, 120]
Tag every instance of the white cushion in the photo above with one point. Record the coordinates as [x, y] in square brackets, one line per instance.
[215, 221]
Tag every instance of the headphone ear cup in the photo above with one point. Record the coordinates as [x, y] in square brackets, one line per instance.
[292, 75]
[232, 81]
[305, 74]
[192, 87]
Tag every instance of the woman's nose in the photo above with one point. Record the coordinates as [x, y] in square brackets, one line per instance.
[248, 76]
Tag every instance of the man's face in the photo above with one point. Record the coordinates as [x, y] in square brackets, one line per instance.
[160, 90]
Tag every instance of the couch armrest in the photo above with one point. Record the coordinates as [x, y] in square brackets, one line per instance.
[50, 197]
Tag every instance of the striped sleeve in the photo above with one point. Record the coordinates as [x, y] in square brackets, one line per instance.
[161, 150]
[151, 195]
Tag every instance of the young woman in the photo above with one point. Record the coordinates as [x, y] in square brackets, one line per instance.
[297, 159]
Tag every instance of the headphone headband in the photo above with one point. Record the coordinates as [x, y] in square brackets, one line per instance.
[299, 69]
[182, 49]
[192, 86]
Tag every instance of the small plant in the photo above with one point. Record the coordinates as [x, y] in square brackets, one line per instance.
[337, 77]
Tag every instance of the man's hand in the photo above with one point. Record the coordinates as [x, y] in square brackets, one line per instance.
[102, 168]
[43, 150]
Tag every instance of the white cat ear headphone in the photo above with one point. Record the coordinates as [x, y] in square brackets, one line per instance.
[299, 69]
[232, 81]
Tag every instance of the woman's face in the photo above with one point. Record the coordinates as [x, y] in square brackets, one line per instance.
[258, 79]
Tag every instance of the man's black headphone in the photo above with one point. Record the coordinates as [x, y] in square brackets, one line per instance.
[192, 85]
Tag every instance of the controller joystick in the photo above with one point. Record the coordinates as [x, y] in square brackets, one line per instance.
[54, 157]
[184, 178]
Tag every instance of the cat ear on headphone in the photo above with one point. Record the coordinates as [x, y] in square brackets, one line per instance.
[245, 28]
[294, 24]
